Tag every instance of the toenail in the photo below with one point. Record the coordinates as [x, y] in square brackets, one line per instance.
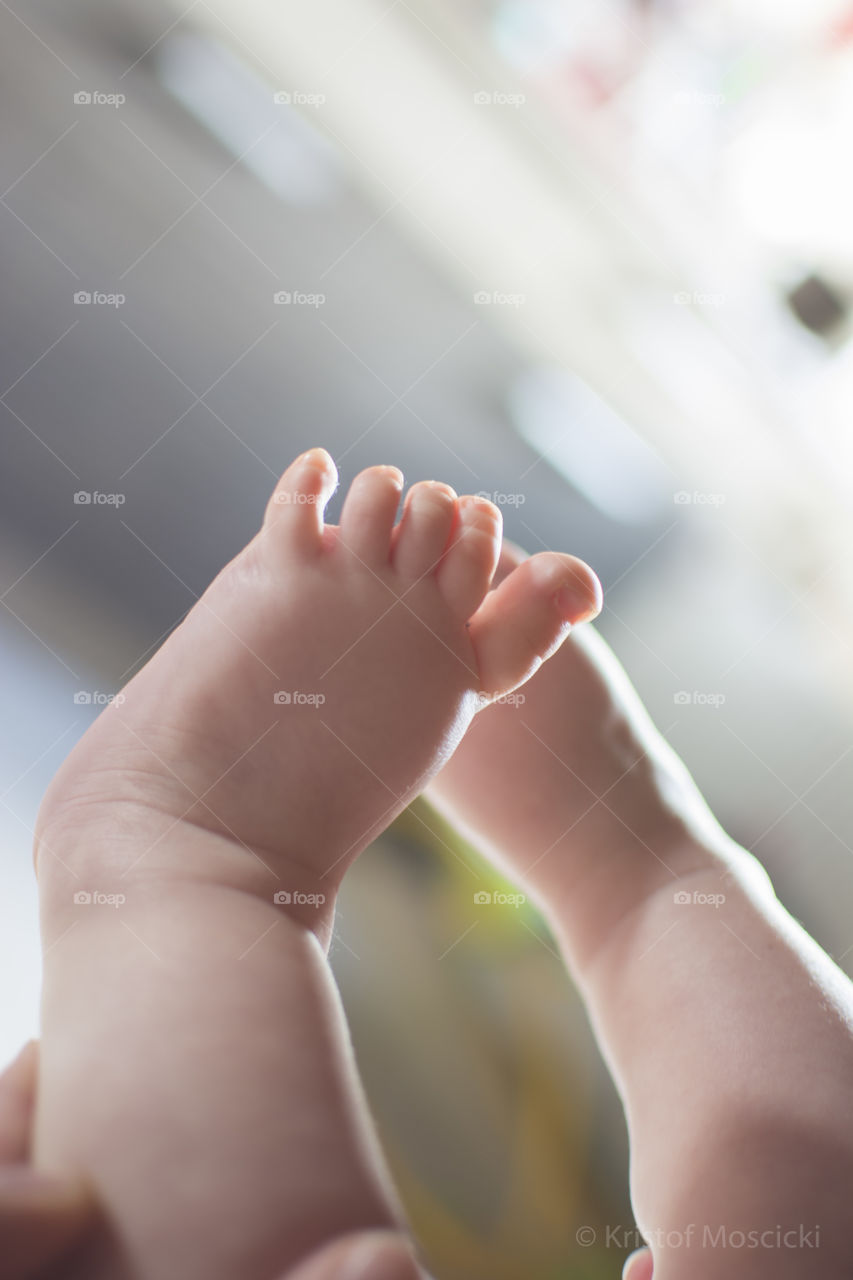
[482, 507]
[315, 457]
[575, 605]
[439, 487]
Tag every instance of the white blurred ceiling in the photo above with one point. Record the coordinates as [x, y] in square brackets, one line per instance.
[191, 397]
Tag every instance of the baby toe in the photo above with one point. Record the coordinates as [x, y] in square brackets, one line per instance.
[424, 531]
[369, 512]
[469, 563]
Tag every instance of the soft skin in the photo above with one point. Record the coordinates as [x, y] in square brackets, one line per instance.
[211, 818]
[729, 1032]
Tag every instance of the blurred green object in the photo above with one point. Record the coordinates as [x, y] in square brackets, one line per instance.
[501, 1127]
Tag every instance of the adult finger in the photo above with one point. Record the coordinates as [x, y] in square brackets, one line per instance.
[17, 1097]
[367, 1255]
[42, 1218]
[639, 1266]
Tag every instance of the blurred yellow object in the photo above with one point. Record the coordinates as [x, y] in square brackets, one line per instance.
[478, 1064]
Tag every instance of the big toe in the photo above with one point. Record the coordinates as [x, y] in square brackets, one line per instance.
[295, 510]
[528, 615]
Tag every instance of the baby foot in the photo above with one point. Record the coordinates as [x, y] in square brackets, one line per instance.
[571, 787]
[313, 690]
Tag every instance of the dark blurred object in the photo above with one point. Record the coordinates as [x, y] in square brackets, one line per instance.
[818, 306]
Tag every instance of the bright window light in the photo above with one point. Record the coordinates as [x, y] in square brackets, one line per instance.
[260, 124]
[586, 441]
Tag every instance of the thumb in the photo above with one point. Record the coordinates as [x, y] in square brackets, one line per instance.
[639, 1266]
[366, 1255]
[41, 1220]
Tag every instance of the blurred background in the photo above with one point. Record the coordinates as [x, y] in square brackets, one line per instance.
[589, 257]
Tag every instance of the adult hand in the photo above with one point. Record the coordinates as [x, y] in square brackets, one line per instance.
[42, 1217]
